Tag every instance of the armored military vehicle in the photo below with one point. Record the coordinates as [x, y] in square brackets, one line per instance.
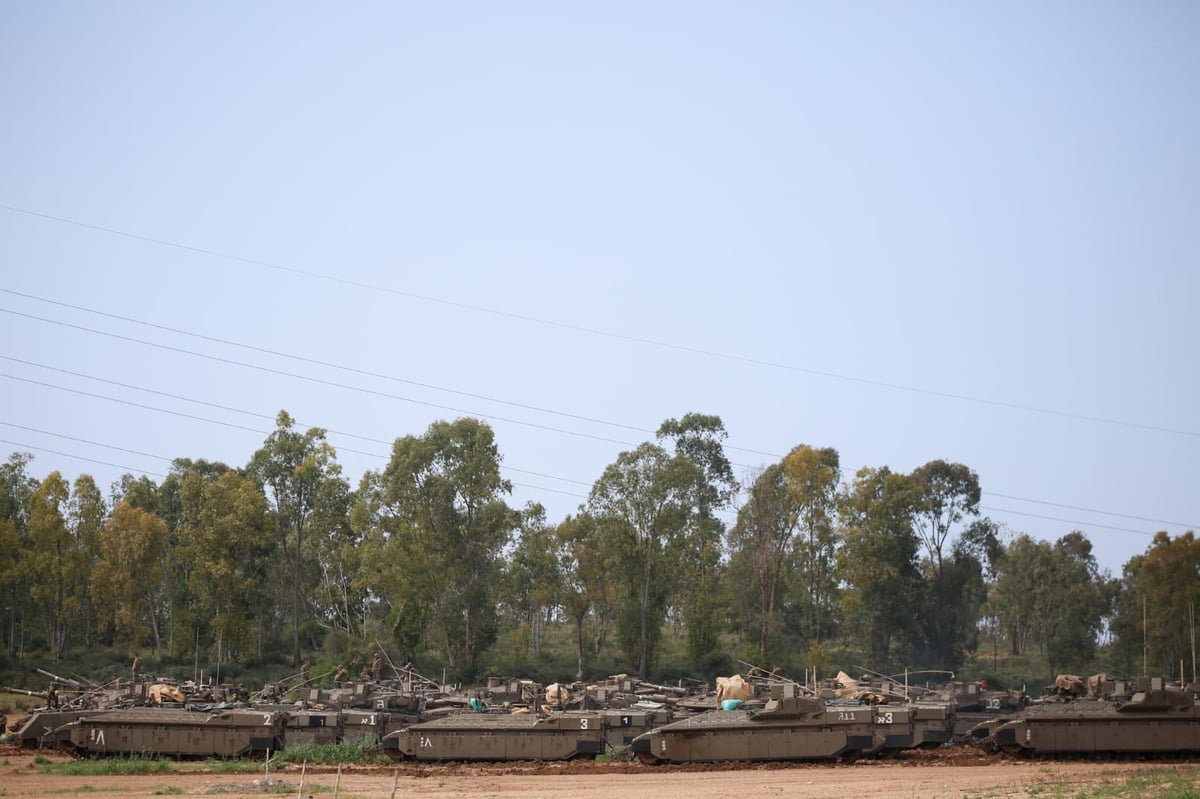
[976, 703]
[934, 723]
[174, 733]
[303, 726]
[786, 727]
[1157, 719]
[494, 736]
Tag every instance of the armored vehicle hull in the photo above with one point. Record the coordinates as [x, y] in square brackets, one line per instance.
[312, 727]
[792, 728]
[1160, 721]
[933, 724]
[623, 725]
[473, 736]
[175, 733]
[913, 726]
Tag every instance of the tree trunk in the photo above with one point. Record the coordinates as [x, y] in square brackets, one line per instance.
[579, 647]
[154, 626]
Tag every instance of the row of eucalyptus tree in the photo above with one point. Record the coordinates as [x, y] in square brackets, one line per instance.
[283, 555]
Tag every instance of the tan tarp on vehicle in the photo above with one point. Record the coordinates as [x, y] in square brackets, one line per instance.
[557, 695]
[1069, 685]
[161, 692]
[734, 687]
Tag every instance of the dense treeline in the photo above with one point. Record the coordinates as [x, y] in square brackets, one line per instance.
[282, 555]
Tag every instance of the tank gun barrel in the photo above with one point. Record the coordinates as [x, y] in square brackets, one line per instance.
[758, 672]
[8, 689]
[64, 680]
[663, 689]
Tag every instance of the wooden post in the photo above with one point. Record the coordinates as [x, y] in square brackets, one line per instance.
[300, 787]
[338, 783]
[395, 782]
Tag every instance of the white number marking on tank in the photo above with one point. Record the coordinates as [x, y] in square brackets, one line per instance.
[583, 724]
[994, 703]
[370, 720]
[884, 718]
[97, 737]
[845, 716]
[266, 719]
[426, 743]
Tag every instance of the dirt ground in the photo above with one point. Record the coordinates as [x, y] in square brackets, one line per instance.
[929, 777]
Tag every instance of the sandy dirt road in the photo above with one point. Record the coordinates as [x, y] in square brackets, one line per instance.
[20, 778]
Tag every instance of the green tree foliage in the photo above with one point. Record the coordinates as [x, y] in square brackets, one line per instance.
[878, 563]
[955, 590]
[55, 563]
[588, 585]
[1052, 594]
[812, 483]
[950, 492]
[1156, 620]
[642, 504]
[760, 544]
[1016, 593]
[335, 602]
[533, 584]
[127, 577]
[295, 470]
[16, 490]
[953, 600]
[86, 513]
[166, 502]
[226, 535]
[891, 567]
[699, 438]
[443, 525]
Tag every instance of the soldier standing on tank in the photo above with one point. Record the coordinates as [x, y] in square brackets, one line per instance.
[305, 671]
[136, 668]
[340, 676]
[52, 696]
[376, 666]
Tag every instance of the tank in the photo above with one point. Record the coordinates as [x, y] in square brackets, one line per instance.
[493, 736]
[787, 727]
[174, 733]
[1157, 719]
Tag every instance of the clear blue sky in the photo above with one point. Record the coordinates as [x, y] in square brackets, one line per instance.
[907, 231]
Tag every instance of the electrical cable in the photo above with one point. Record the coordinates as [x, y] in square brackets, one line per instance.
[605, 333]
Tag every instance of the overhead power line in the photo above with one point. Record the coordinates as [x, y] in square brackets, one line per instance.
[607, 333]
[130, 469]
[1082, 525]
[327, 364]
[269, 417]
[1092, 510]
[232, 409]
[342, 367]
[207, 420]
[317, 380]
